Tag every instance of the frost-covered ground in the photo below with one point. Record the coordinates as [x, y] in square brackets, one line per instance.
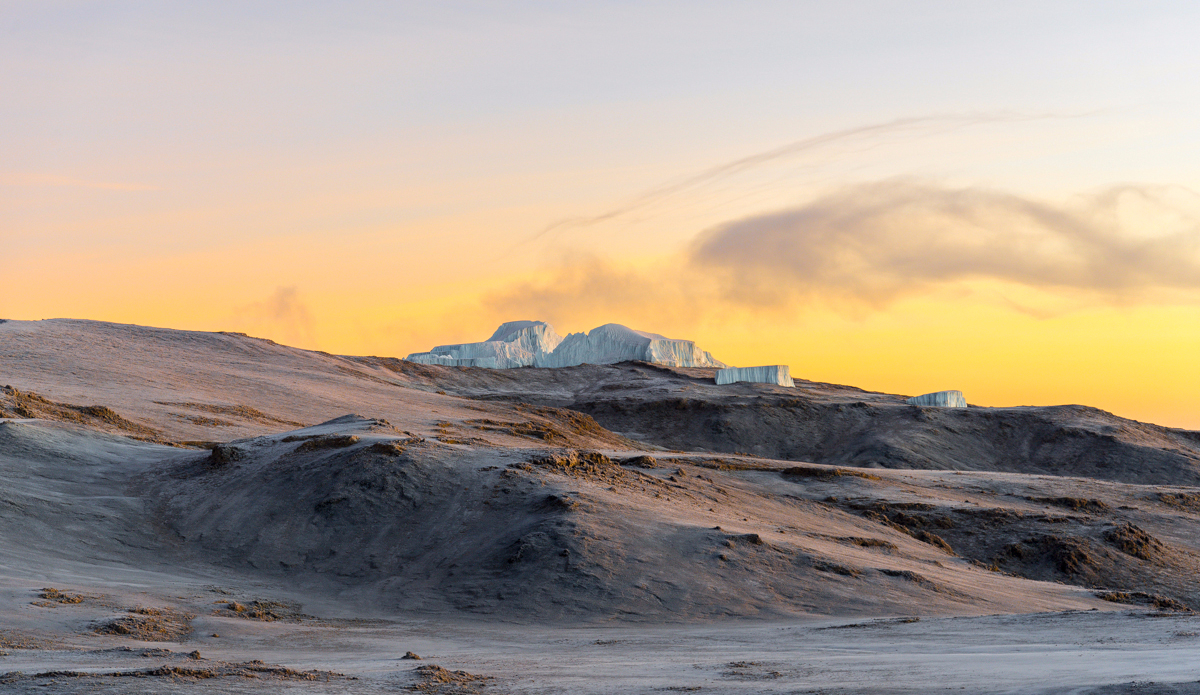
[466, 516]
[1074, 652]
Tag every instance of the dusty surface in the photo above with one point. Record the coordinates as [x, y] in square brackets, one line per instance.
[187, 512]
[832, 424]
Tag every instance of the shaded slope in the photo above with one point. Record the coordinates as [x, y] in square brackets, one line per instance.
[684, 409]
[1060, 440]
[353, 507]
[69, 508]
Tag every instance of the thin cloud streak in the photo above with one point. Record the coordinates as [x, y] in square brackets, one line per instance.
[56, 181]
[921, 124]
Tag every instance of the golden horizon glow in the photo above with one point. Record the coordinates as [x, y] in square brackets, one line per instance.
[994, 200]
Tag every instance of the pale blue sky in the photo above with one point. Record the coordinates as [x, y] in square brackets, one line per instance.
[376, 176]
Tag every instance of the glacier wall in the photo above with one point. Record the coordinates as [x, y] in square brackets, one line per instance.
[445, 361]
[941, 399]
[779, 374]
[514, 344]
[535, 343]
[612, 343]
[533, 336]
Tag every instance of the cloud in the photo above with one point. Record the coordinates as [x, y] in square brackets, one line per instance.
[282, 317]
[863, 246]
[876, 241]
[587, 286]
[56, 181]
[862, 135]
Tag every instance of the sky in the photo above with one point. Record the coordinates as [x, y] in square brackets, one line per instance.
[996, 197]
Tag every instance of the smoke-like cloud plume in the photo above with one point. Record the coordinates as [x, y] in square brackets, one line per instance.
[283, 315]
[875, 241]
[862, 246]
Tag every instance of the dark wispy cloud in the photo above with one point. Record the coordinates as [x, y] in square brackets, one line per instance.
[283, 316]
[862, 246]
[597, 288]
[875, 241]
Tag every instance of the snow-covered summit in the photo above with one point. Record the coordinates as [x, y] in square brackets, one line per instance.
[514, 344]
[534, 343]
[613, 343]
[512, 329]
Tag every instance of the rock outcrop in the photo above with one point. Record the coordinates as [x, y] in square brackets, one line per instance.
[779, 374]
[534, 343]
[941, 399]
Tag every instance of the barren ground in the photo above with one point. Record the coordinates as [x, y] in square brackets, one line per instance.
[209, 512]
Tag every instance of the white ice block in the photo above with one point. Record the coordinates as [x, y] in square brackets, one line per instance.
[534, 343]
[779, 374]
[941, 399]
[612, 343]
[431, 358]
[514, 344]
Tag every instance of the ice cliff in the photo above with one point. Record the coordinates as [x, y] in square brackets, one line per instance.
[779, 374]
[534, 343]
[613, 343]
[943, 399]
[514, 344]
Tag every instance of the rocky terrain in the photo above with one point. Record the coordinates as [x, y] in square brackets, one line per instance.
[684, 409]
[183, 511]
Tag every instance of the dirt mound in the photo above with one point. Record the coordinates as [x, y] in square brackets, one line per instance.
[250, 669]
[1132, 540]
[1141, 598]
[432, 678]
[590, 465]
[327, 442]
[263, 609]
[26, 404]
[51, 595]
[149, 625]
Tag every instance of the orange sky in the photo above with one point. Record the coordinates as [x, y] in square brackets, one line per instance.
[996, 198]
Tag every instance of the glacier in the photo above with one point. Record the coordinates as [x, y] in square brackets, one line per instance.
[536, 344]
[514, 344]
[612, 343]
[779, 374]
[941, 399]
